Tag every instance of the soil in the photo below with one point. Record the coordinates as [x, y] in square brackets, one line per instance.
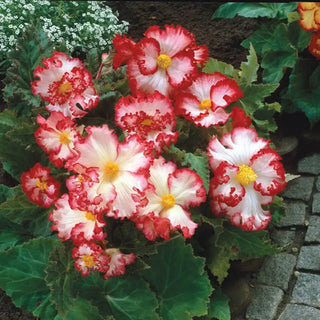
[223, 38]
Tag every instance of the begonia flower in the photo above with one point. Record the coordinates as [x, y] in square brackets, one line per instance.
[121, 169]
[164, 60]
[76, 224]
[40, 187]
[170, 195]
[204, 102]
[150, 117]
[118, 262]
[57, 135]
[310, 15]
[64, 83]
[247, 175]
[239, 118]
[90, 257]
[124, 50]
[314, 46]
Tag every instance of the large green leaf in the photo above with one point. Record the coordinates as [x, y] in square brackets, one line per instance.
[218, 307]
[62, 278]
[214, 65]
[124, 298]
[22, 272]
[200, 164]
[179, 280]
[304, 89]
[8, 120]
[250, 68]
[21, 211]
[5, 193]
[255, 9]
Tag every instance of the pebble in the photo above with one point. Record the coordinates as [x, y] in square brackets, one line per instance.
[295, 214]
[310, 164]
[309, 258]
[299, 312]
[307, 290]
[316, 203]
[300, 188]
[313, 232]
[264, 304]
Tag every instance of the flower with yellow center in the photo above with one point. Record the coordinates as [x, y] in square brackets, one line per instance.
[163, 61]
[64, 138]
[246, 175]
[90, 216]
[205, 104]
[88, 261]
[42, 185]
[111, 170]
[65, 87]
[168, 201]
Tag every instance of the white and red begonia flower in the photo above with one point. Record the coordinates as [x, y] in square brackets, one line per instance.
[164, 60]
[57, 135]
[118, 262]
[169, 196]
[39, 186]
[121, 172]
[205, 100]
[239, 118]
[150, 117]
[64, 83]
[78, 225]
[90, 257]
[247, 175]
[124, 50]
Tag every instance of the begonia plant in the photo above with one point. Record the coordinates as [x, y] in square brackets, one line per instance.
[113, 215]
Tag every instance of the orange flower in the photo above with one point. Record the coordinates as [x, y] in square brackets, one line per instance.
[310, 15]
[314, 46]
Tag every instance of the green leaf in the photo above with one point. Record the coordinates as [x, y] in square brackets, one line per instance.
[200, 165]
[46, 310]
[219, 307]
[24, 134]
[62, 278]
[21, 211]
[275, 63]
[8, 120]
[22, 272]
[304, 90]
[83, 310]
[298, 37]
[277, 209]
[5, 193]
[293, 16]
[31, 49]
[179, 280]
[249, 69]
[249, 245]
[254, 95]
[214, 65]
[261, 38]
[92, 61]
[124, 298]
[254, 10]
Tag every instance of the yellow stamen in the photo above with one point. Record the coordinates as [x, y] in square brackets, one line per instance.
[41, 185]
[88, 261]
[164, 61]
[246, 175]
[65, 87]
[168, 201]
[111, 169]
[205, 104]
[64, 138]
[147, 122]
[318, 42]
[90, 216]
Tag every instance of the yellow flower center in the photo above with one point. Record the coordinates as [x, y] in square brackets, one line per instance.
[205, 104]
[111, 170]
[164, 61]
[246, 175]
[64, 138]
[168, 201]
[65, 87]
[41, 185]
[90, 216]
[88, 261]
[147, 122]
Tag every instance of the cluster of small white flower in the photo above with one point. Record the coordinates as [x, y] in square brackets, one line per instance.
[80, 25]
